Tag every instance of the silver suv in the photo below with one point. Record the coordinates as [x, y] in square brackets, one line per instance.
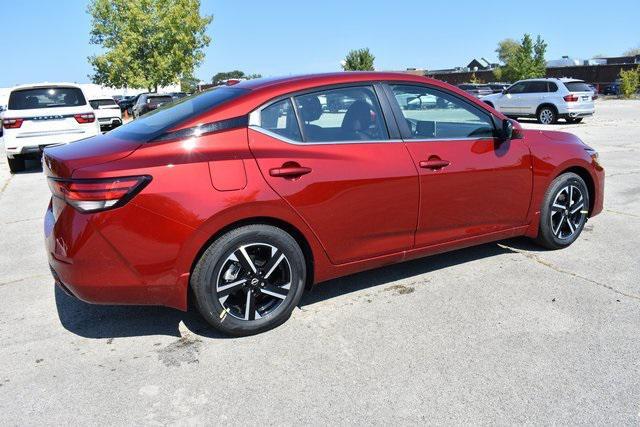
[545, 99]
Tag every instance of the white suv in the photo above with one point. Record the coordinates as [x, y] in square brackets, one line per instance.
[107, 112]
[39, 115]
[545, 99]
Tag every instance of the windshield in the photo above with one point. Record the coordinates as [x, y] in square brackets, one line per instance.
[46, 97]
[168, 116]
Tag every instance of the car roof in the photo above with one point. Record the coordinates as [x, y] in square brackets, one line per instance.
[328, 79]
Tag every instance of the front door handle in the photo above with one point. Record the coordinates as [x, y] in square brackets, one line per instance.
[289, 171]
[434, 164]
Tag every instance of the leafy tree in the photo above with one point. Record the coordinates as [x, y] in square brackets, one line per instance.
[359, 60]
[528, 62]
[507, 49]
[629, 82]
[189, 84]
[632, 52]
[235, 74]
[147, 43]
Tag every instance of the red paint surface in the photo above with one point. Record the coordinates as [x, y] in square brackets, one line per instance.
[360, 206]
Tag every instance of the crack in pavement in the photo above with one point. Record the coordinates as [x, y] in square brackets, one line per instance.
[623, 173]
[567, 272]
[21, 220]
[6, 184]
[622, 213]
[10, 282]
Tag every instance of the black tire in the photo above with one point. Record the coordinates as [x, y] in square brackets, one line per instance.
[547, 115]
[230, 319]
[16, 164]
[572, 120]
[563, 220]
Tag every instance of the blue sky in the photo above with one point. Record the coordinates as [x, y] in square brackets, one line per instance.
[48, 40]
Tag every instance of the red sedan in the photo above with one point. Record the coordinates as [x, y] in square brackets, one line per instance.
[249, 194]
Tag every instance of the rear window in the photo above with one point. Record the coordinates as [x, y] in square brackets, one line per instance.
[46, 97]
[155, 123]
[155, 100]
[577, 87]
[97, 103]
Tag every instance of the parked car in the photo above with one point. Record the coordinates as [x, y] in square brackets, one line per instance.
[107, 112]
[126, 103]
[476, 90]
[498, 87]
[177, 95]
[545, 99]
[612, 89]
[244, 196]
[39, 115]
[149, 102]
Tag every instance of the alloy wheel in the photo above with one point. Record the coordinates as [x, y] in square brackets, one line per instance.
[546, 116]
[568, 212]
[253, 281]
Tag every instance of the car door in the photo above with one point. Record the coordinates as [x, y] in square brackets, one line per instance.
[470, 184]
[342, 170]
[535, 93]
[510, 102]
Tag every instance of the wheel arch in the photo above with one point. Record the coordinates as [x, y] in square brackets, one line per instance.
[588, 180]
[547, 104]
[298, 235]
[489, 103]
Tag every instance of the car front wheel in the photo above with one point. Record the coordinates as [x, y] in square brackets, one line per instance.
[249, 280]
[564, 211]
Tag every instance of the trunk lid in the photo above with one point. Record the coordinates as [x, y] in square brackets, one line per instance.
[61, 161]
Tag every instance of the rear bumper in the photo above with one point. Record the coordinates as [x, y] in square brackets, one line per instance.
[23, 145]
[87, 266]
[109, 122]
[578, 112]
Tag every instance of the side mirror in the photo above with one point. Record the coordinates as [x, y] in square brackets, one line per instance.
[504, 130]
[504, 91]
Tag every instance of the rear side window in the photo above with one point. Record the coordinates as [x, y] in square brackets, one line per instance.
[280, 118]
[153, 124]
[577, 87]
[536, 87]
[97, 103]
[553, 87]
[157, 100]
[344, 114]
[46, 97]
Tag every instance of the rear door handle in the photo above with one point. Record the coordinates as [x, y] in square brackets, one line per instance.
[289, 171]
[434, 164]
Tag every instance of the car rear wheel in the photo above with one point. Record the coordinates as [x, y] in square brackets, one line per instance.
[564, 211]
[249, 280]
[16, 164]
[547, 115]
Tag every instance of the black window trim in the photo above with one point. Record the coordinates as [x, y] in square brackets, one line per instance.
[388, 118]
[404, 128]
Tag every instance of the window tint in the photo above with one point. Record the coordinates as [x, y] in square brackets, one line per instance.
[280, 118]
[345, 114]
[46, 97]
[158, 100]
[517, 88]
[434, 114]
[153, 124]
[536, 87]
[552, 87]
[97, 103]
[577, 87]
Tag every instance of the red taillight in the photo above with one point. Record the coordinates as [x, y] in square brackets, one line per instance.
[570, 98]
[12, 123]
[94, 195]
[85, 118]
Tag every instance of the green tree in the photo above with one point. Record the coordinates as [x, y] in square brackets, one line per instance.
[146, 43]
[235, 74]
[528, 62]
[632, 52]
[359, 60]
[189, 84]
[629, 82]
[507, 49]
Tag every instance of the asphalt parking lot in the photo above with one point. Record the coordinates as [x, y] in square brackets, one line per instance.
[500, 333]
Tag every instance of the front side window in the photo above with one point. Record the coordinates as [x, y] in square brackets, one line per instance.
[46, 97]
[280, 118]
[517, 88]
[434, 114]
[344, 114]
